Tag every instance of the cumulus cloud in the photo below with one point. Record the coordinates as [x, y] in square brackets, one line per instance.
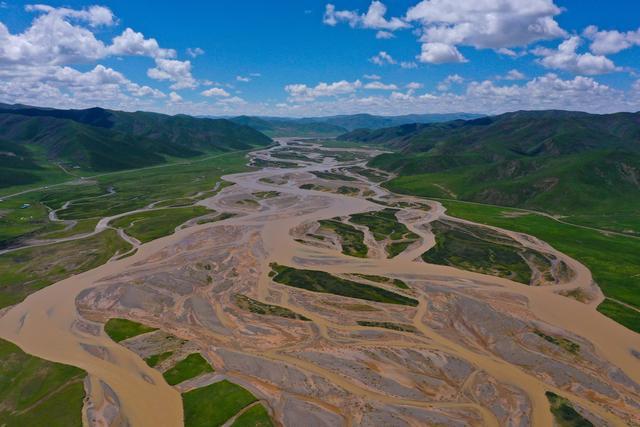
[133, 43]
[610, 42]
[173, 70]
[566, 57]
[482, 24]
[372, 77]
[374, 18]
[414, 85]
[382, 58]
[440, 53]
[513, 75]
[384, 35]
[195, 52]
[377, 85]
[408, 65]
[215, 91]
[451, 79]
[174, 97]
[243, 79]
[302, 92]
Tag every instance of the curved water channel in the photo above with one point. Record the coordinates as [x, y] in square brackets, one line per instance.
[47, 324]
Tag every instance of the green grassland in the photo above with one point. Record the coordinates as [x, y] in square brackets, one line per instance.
[320, 281]
[386, 280]
[351, 239]
[36, 392]
[256, 416]
[472, 248]
[213, 405]
[190, 367]
[156, 359]
[25, 271]
[150, 225]
[614, 260]
[258, 307]
[402, 327]
[563, 412]
[122, 329]
[384, 225]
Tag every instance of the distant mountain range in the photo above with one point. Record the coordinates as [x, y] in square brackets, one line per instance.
[336, 125]
[96, 139]
[557, 161]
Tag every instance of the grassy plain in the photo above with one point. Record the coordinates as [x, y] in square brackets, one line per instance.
[122, 329]
[189, 367]
[213, 405]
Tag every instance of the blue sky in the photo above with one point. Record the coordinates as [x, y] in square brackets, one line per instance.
[300, 58]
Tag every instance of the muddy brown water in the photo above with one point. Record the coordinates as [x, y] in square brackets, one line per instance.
[45, 323]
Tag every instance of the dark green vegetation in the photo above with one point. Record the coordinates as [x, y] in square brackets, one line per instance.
[213, 405]
[122, 329]
[476, 249]
[258, 307]
[583, 166]
[36, 392]
[282, 127]
[95, 140]
[150, 225]
[336, 125]
[561, 342]
[385, 226]
[370, 174]
[402, 327]
[112, 194]
[190, 367]
[256, 416]
[563, 412]
[333, 176]
[386, 280]
[320, 281]
[351, 239]
[25, 271]
[621, 314]
[156, 359]
[612, 259]
[260, 163]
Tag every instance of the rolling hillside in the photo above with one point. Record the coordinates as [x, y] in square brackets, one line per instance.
[574, 164]
[32, 139]
[280, 127]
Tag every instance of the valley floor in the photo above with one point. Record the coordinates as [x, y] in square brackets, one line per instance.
[307, 294]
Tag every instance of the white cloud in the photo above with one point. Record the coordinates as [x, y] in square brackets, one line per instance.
[376, 85]
[382, 58]
[195, 52]
[408, 65]
[373, 19]
[176, 71]
[134, 44]
[414, 85]
[215, 91]
[94, 15]
[482, 24]
[255, 74]
[451, 79]
[243, 79]
[372, 77]
[513, 75]
[610, 42]
[302, 92]
[234, 100]
[566, 57]
[174, 97]
[440, 53]
[384, 35]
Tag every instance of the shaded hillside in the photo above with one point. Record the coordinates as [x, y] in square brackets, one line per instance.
[103, 140]
[280, 127]
[556, 161]
[368, 121]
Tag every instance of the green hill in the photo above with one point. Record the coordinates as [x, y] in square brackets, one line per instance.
[280, 127]
[32, 139]
[574, 164]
